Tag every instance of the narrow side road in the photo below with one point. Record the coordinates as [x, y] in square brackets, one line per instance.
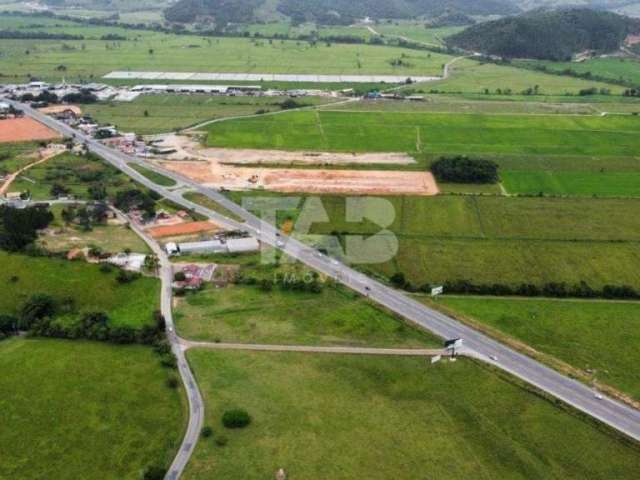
[196, 405]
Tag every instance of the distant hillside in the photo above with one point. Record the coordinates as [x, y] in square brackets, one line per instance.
[550, 35]
[331, 12]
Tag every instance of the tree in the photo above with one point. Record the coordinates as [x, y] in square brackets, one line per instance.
[206, 432]
[154, 472]
[37, 307]
[151, 263]
[462, 169]
[236, 418]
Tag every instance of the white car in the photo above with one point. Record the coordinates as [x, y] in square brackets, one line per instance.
[598, 396]
[493, 357]
[279, 243]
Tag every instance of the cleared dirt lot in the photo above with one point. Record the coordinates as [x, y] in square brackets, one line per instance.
[24, 130]
[357, 182]
[182, 229]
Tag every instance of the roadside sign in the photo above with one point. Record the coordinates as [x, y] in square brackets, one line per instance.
[436, 358]
[435, 291]
[453, 343]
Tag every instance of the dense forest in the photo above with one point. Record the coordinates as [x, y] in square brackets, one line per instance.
[330, 12]
[551, 35]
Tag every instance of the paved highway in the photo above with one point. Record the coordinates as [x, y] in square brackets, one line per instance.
[609, 411]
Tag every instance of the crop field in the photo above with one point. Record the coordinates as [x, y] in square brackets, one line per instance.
[247, 314]
[82, 285]
[74, 172]
[165, 113]
[591, 335]
[468, 76]
[445, 420]
[601, 184]
[483, 239]
[626, 69]
[433, 133]
[75, 409]
[75, 59]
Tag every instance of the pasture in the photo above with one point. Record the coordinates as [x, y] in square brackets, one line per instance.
[248, 314]
[74, 172]
[81, 286]
[144, 50]
[433, 133]
[445, 420]
[76, 409]
[594, 336]
[150, 114]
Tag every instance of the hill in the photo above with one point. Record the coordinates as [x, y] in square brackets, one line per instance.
[329, 12]
[549, 35]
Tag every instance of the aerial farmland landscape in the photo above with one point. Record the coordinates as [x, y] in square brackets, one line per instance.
[315, 239]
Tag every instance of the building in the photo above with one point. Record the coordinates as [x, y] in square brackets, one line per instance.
[241, 245]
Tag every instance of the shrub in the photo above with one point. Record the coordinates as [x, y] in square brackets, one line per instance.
[154, 472]
[206, 432]
[179, 277]
[172, 382]
[462, 169]
[236, 418]
[221, 440]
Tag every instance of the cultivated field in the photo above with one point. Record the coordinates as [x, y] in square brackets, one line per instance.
[485, 240]
[75, 409]
[626, 69]
[167, 113]
[468, 76]
[433, 133]
[313, 413]
[25, 130]
[594, 336]
[83, 286]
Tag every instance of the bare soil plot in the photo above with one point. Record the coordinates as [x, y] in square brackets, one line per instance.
[357, 182]
[24, 130]
[60, 109]
[182, 229]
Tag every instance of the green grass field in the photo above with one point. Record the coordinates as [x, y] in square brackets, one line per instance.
[74, 409]
[485, 240]
[14, 156]
[206, 202]
[589, 335]
[155, 177]
[625, 69]
[174, 112]
[76, 173]
[146, 50]
[83, 284]
[468, 76]
[247, 314]
[434, 133]
[63, 237]
[417, 32]
[602, 184]
[344, 417]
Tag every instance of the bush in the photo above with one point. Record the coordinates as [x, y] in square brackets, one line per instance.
[126, 277]
[206, 432]
[221, 440]
[154, 472]
[236, 418]
[172, 382]
[179, 277]
[462, 169]
[36, 308]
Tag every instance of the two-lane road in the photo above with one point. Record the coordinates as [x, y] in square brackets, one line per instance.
[611, 412]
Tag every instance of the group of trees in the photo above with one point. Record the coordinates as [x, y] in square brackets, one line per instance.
[549, 289]
[19, 227]
[31, 35]
[462, 169]
[550, 35]
[127, 200]
[38, 316]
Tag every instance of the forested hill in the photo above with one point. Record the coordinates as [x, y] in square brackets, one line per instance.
[338, 12]
[551, 35]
